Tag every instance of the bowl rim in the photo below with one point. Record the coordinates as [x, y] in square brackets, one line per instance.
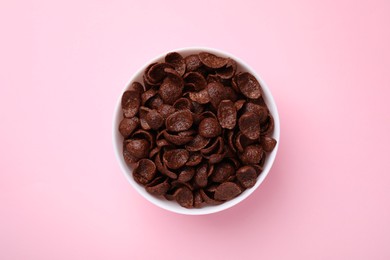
[173, 206]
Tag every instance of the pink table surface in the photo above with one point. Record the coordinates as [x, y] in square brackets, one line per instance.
[63, 64]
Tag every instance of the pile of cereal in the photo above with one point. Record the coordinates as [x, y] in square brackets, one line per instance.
[197, 131]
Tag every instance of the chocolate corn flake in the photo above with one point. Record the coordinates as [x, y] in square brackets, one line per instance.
[201, 97]
[252, 154]
[212, 61]
[154, 119]
[268, 143]
[249, 125]
[228, 71]
[222, 172]
[177, 62]
[216, 92]
[184, 197]
[130, 103]
[158, 189]
[128, 125]
[209, 127]
[227, 114]
[227, 191]
[192, 62]
[196, 79]
[248, 85]
[247, 176]
[194, 159]
[176, 139]
[138, 148]
[174, 159]
[145, 171]
[197, 131]
[179, 121]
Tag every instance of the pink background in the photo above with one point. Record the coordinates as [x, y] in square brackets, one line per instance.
[64, 64]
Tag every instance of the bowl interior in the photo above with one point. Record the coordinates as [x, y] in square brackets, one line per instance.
[172, 205]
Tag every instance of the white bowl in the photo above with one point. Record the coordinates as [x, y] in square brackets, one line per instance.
[173, 205]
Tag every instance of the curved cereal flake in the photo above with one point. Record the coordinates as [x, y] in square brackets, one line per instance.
[190, 132]
[227, 114]
[179, 121]
[197, 143]
[227, 191]
[174, 159]
[154, 102]
[209, 127]
[169, 72]
[129, 159]
[184, 197]
[148, 94]
[183, 103]
[145, 171]
[247, 176]
[252, 154]
[200, 178]
[163, 168]
[215, 147]
[143, 111]
[194, 159]
[192, 62]
[216, 158]
[222, 172]
[216, 92]
[267, 126]
[177, 62]
[234, 83]
[186, 174]
[142, 134]
[196, 79]
[130, 103]
[248, 85]
[249, 125]
[154, 151]
[259, 110]
[230, 140]
[212, 61]
[258, 168]
[171, 89]
[236, 163]
[158, 189]
[268, 143]
[228, 71]
[198, 200]
[154, 119]
[176, 139]
[177, 184]
[128, 125]
[166, 110]
[206, 114]
[147, 82]
[139, 148]
[156, 72]
[239, 104]
[241, 141]
[136, 86]
[207, 199]
[201, 97]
